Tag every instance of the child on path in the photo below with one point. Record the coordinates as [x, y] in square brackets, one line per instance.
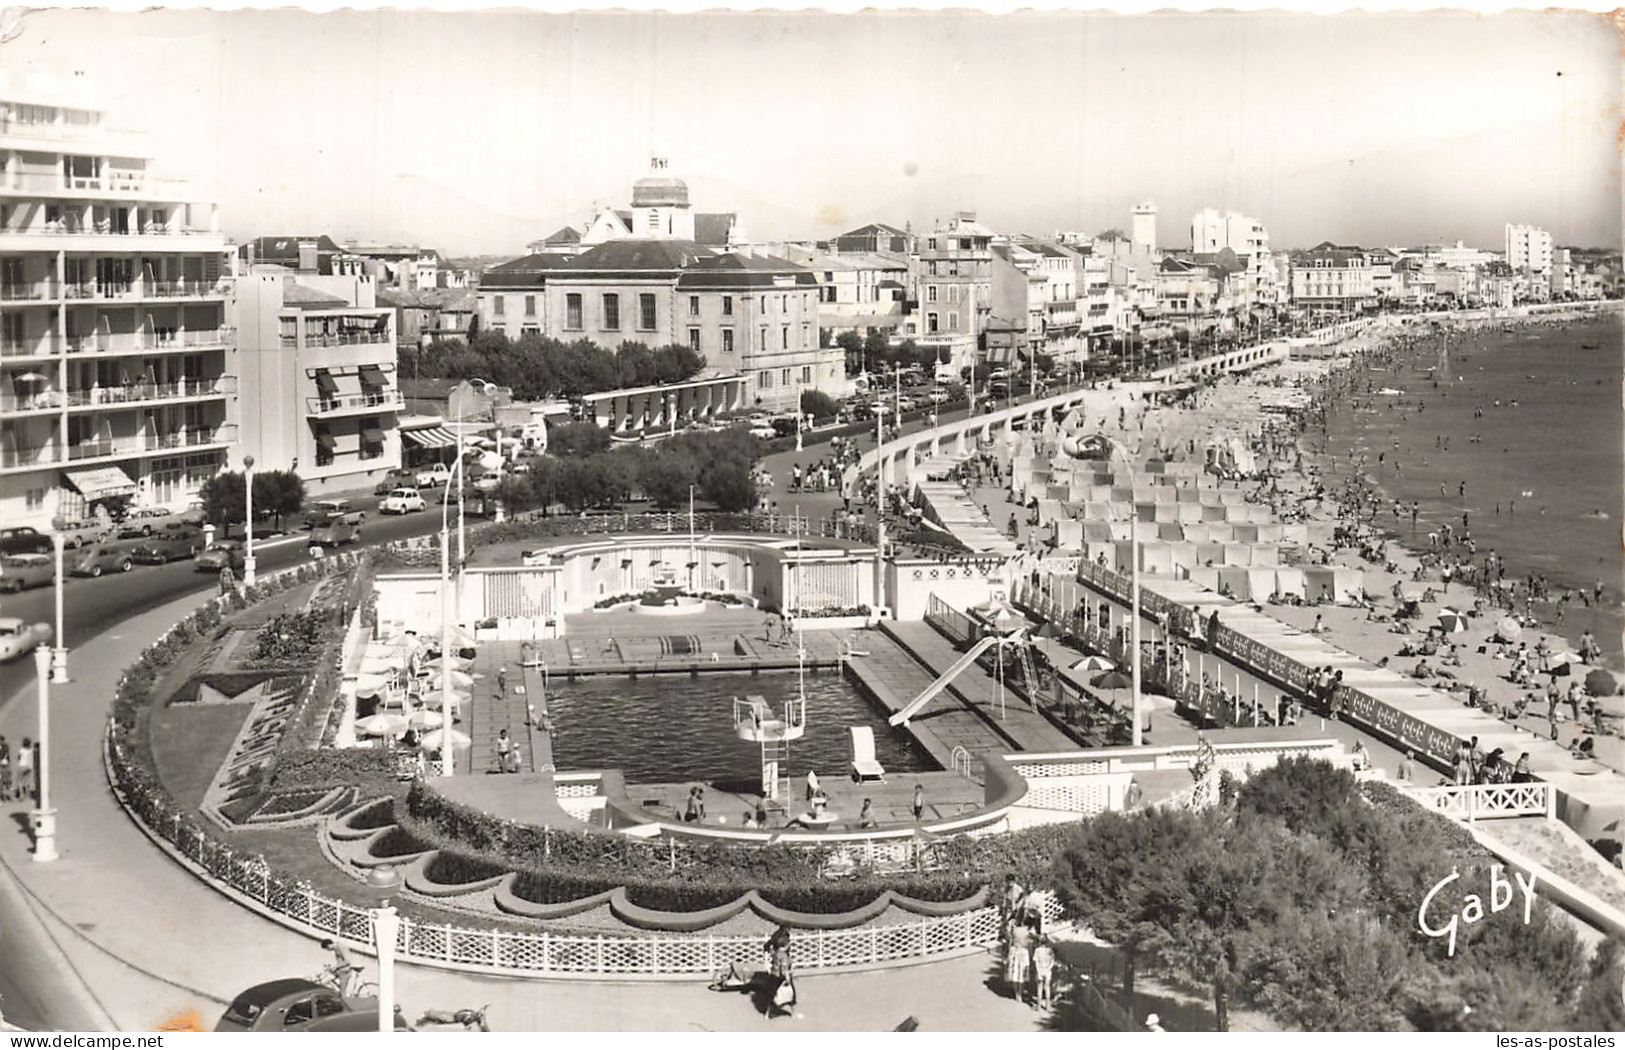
[1043, 971]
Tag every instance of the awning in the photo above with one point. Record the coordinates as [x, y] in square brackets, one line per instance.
[372, 375]
[101, 482]
[325, 382]
[372, 435]
[324, 440]
[430, 437]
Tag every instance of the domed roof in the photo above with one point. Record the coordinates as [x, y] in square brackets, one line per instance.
[658, 190]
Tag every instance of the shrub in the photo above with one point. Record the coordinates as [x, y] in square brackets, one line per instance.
[368, 770]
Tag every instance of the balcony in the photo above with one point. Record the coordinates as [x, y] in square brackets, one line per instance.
[291, 342]
[30, 350]
[221, 434]
[346, 404]
[28, 458]
[137, 394]
[139, 290]
[152, 343]
[111, 184]
[29, 291]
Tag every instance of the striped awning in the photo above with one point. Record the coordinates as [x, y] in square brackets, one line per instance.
[101, 482]
[430, 437]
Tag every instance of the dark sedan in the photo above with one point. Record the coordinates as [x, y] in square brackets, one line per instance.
[224, 554]
[297, 1005]
[99, 558]
[21, 539]
[172, 544]
[21, 571]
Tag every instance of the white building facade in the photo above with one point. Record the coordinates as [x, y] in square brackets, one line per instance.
[1529, 248]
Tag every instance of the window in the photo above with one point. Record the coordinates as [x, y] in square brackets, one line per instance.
[784, 338]
[572, 311]
[530, 329]
[646, 311]
[953, 293]
[932, 267]
[931, 322]
[499, 305]
[654, 220]
[930, 293]
[764, 304]
[727, 306]
[693, 306]
[931, 244]
[612, 312]
[35, 498]
[727, 340]
[530, 306]
[806, 373]
[806, 335]
[694, 339]
[764, 380]
[761, 343]
[953, 321]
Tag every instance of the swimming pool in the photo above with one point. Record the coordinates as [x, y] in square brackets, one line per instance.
[662, 729]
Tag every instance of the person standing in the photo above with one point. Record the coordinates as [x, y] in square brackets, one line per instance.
[694, 811]
[919, 800]
[5, 770]
[1043, 975]
[1406, 772]
[502, 683]
[1018, 959]
[504, 751]
[24, 766]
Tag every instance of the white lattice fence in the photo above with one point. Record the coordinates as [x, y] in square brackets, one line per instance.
[1073, 797]
[1486, 801]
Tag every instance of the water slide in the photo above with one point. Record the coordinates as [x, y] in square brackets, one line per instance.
[942, 680]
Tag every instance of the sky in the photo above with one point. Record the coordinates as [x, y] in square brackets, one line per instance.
[476, 132]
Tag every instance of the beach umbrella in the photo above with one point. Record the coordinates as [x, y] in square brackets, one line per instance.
[370, 684]
[436, 738]
[425, 718]
[381, 725]
[1114, 680]
[1601, 683]
[458, 663]
[459, 680]
[31, 377]
[1507, 629]
[1563, 663]
[1094, 663]
[1452, 621]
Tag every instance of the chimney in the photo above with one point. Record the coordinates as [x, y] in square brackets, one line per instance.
[307, 256]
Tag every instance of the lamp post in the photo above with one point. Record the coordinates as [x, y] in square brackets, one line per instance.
[1134, 601]
[248, 488]
[59, 662]
[386, 927]
[44, 816]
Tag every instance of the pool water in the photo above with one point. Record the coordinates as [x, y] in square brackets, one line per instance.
[665, 729]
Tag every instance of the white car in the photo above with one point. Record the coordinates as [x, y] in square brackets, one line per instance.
[763, 430]
[402, 501]
[433, 475]
[77, 534]
[937, 396]
[18, 638]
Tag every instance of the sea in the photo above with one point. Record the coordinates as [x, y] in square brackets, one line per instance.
[1544, 479]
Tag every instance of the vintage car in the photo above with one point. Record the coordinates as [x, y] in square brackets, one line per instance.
[427, 477]
[99, 558]
[295, 1004]
[21, 539]
[323, 511]
[144, 521]
[222, 554]
[170, 544]
[400, 477]
[402, 501]
[17, 637]
[76, 534]
[20, 571]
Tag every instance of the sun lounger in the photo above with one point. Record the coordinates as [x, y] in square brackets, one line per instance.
[864, 766]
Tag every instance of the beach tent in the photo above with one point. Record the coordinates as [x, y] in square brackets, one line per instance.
[1289, 582]
[1270, 533]
[1157, 558]
[1260, 583]
[1266, 555]
[1097, 531]
[1190, 513]
[1246, 533]
[1146, 531]
[1237, 580]
[1320, 583]
[1182, 554]
[1068, 534]
[1210, 552]
[1238, 554]
[1205, 578]
[1210, 513]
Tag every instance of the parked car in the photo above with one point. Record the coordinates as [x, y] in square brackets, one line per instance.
[172, 544]
[400, 477]
[758, 419]
[77, 534]
[295, 1004]
[193, 515]
[324, 511]
[222, 554]
[937, 396]
[20, 539]
[763, 430]
[18, 638]
[402, 501]
[144, 521]
[430, 476]
[906, 403]
[19, 571]
[99, 558]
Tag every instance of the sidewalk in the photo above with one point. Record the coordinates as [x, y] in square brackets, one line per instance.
[152, 943]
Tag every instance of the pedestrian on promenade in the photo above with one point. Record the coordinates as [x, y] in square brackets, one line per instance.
[345, 971]
[5, 770]
[24, 770]
[919, 800]
[502, 683]
[1018, 959]
[1406, 771]
[1043, 975]
[504, 751]
[694, 811]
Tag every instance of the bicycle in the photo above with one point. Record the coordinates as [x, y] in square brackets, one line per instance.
[352, 988]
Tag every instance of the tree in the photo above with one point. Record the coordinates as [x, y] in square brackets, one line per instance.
[224, 499]
[278, 493]
[851, 344]
[877, 350]
[818, 404]
[1111, 234]
[665, 476]
[577, 439]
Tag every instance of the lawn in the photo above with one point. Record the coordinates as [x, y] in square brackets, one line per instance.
[189, 741]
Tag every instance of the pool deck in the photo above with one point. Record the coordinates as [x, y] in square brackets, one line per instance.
[718, 639]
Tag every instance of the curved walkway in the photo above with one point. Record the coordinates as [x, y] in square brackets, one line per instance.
[143, 942]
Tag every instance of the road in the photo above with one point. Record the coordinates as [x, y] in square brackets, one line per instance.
[92, 606]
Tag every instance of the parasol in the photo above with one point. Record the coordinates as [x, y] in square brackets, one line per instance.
[381, 725]
[459, 680]
[458, 663]
[425, 718]
[1452, 621]
[1507, 629]
[434, 738]
[1114, 680]
[370, 684]
[1601, 683]
[1094, 663]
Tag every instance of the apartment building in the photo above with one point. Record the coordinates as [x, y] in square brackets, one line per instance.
[858, 292]
[1529, 249]
[1333, 277]
[1213, 232]
[953, 270]
[319, 353]
[117, 371]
